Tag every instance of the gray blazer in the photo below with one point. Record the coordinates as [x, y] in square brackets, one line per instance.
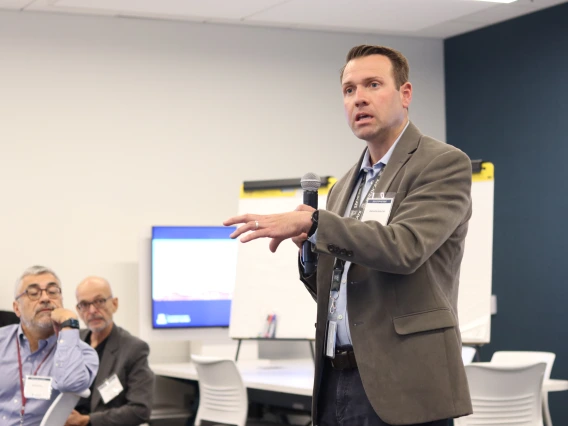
[403, 284]
[127, 357]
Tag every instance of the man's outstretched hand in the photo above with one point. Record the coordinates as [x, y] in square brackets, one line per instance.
[278, 227]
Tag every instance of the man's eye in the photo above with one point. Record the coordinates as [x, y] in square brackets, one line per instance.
[374, 84]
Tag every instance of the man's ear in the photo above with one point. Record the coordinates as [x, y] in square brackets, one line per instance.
[16, 307]
[406, 94]
[114, 304]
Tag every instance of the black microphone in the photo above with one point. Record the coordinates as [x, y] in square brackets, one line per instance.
[310, 184]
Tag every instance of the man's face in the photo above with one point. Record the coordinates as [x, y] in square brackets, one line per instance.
[36, 314]
[373, 105]
[95, 305]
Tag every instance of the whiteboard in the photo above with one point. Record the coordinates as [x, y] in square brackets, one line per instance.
[268, 283]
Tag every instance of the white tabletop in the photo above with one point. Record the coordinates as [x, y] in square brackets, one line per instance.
[287, 376]
[553, 385]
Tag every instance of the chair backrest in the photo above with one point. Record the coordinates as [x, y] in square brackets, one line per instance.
[8, 318]
[524, 358]
[61, 407]
[222, 393]
[468, 353]
[504, 395]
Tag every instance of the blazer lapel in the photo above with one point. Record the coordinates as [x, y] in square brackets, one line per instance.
[106, 366]
[344, 192]
[401, 154]
[403, 151]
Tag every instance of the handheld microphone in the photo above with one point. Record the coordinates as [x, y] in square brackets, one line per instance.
[310, 183]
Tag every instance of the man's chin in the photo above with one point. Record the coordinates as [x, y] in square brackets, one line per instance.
[97, 326]
[44, 324]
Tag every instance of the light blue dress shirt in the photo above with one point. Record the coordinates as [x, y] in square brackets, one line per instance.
[72, 365]
[341, 314]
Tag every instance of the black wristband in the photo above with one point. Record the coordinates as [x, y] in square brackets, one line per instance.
[315, 217]
[71, 323]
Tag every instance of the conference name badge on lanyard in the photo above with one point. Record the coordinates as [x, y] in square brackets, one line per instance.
[379, 209]
[110, 388]
[37, 387]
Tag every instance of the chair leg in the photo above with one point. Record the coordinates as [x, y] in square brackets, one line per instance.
[545, 410]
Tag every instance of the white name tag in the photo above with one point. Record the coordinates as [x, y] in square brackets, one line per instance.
[110, 388]
[37, 387]
[378, 209]
[330, 340]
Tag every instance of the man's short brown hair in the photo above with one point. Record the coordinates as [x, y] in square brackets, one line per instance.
[400, 67]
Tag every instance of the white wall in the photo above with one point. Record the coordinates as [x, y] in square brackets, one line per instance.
[109, 126]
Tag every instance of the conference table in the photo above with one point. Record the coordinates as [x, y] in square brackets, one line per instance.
[284, 382]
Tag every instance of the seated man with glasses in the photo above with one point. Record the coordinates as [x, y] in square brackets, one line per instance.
[123, 389]
[43, 355]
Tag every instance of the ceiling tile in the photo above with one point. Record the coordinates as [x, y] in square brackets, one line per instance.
[421, 18]
[405, 15]
[14, 4]
[503, 12]
[224, 9]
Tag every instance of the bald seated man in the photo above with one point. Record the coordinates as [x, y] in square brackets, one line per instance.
[123, 389]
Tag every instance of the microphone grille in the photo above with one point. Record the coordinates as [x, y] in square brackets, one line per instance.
[310, 182]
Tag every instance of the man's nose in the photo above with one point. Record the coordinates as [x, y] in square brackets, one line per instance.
[360, 97]
[43, 298]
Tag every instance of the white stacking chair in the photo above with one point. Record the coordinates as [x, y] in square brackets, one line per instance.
[504, 395]
[468, 354]
[59, 410]
[528, 357]
[222, 393]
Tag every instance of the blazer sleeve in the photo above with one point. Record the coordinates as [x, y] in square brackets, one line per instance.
[310, 281]
[139, 388]
[437, 202]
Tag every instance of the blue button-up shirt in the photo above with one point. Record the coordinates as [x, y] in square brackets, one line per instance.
[72, 364]
[341, 315]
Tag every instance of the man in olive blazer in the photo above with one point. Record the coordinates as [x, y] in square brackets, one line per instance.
[402, 363]
[403, 283]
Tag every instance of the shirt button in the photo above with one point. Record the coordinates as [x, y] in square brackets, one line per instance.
[340, 317]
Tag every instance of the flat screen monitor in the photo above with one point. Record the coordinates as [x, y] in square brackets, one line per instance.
[193, 276]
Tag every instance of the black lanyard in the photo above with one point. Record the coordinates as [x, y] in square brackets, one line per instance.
[357, 210]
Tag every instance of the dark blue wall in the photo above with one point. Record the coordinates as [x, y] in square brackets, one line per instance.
[507, 102]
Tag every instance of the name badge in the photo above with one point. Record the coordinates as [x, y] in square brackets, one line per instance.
[110, 388]
[378, 209]
[37, 387]
[330, 339]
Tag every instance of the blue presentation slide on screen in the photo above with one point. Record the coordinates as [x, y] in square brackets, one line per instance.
[193, 276]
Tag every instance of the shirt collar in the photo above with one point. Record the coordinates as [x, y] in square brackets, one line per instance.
[41, 344]
[366, 163]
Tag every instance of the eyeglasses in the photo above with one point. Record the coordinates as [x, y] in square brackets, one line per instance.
[97, 303]
[34, 292]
